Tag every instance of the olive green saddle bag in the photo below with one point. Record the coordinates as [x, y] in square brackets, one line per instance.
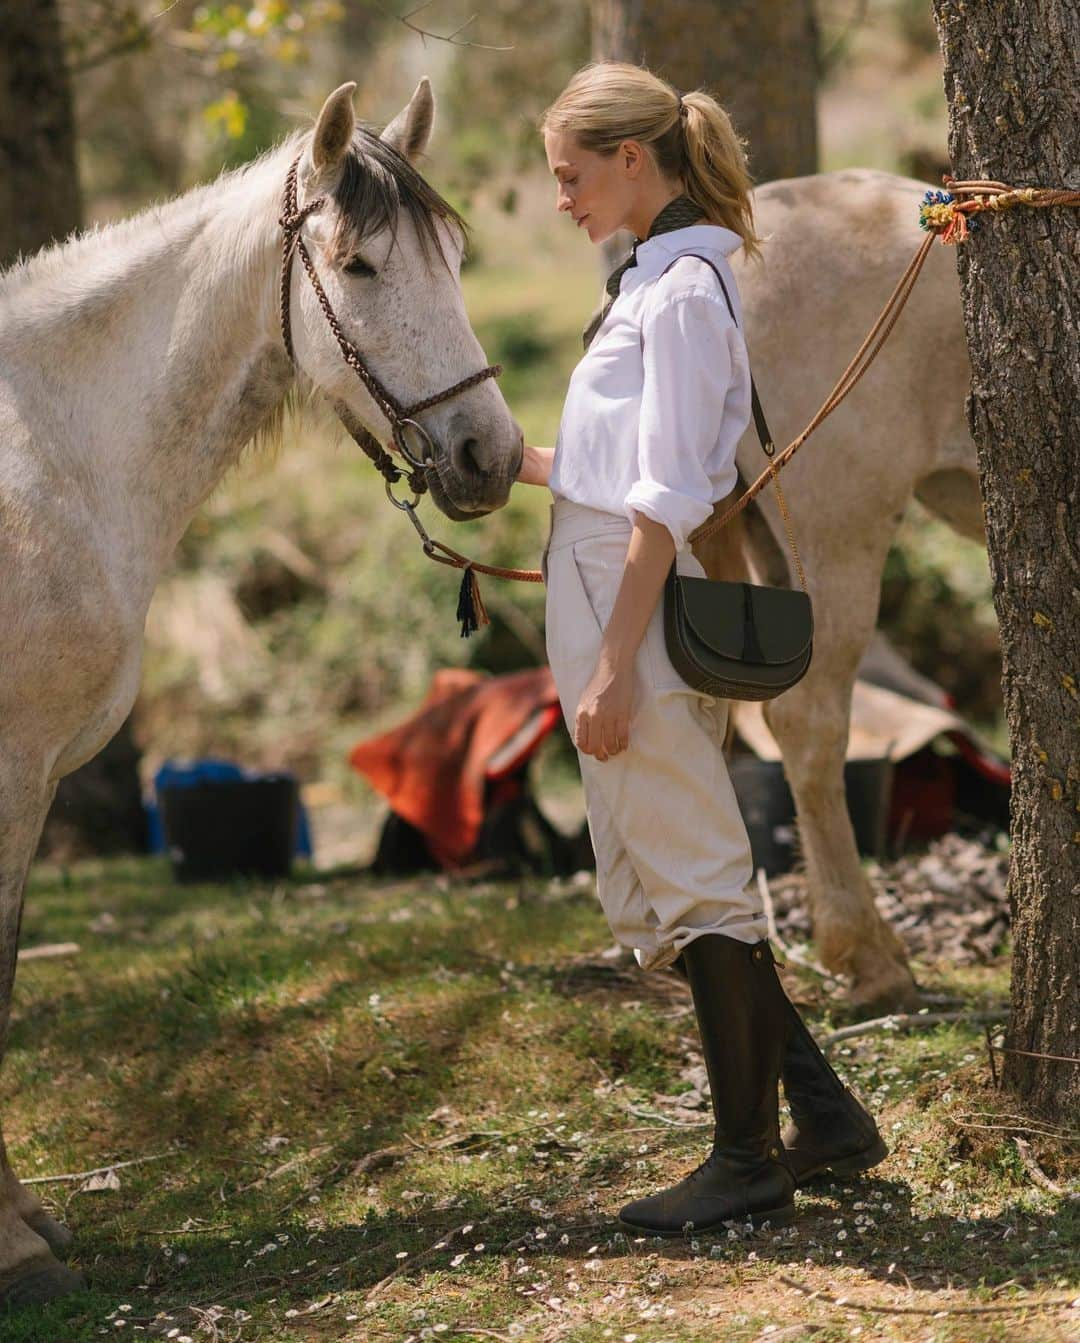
[738, 640]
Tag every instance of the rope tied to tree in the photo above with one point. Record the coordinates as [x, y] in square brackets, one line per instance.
[952, 220]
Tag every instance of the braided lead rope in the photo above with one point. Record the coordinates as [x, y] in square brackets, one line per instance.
[847, 380]
[850, 377]
[943, 217]
[458, 561]
[950, 224]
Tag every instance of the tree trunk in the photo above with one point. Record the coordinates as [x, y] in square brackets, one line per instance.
[98, 808]
[1013, 88]
[39, 186]
[758, 58]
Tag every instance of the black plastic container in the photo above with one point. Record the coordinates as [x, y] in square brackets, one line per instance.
[768, 808]
[218, 830]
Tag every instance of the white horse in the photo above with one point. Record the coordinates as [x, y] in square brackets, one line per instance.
[136, 362]
[837, 244]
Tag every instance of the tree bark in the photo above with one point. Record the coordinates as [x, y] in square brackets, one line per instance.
[98, 809]
[758, 59]
[1013, 85]
[39, 185]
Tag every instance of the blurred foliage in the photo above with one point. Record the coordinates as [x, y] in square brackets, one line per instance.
[841, 23]
[495, 98]
[936, 607]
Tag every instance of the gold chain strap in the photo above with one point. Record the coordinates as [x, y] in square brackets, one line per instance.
[787, 522]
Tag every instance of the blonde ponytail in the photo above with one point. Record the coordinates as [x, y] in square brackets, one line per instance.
[692, 142]
[716, 173]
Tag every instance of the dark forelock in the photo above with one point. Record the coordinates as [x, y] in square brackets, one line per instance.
[376, 185]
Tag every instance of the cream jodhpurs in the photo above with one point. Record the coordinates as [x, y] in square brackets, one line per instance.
[672, 853]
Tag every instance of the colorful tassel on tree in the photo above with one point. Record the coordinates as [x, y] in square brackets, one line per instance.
[471, 610]
[938, 214]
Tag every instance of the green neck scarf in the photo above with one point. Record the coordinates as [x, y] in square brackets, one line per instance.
[679, 213]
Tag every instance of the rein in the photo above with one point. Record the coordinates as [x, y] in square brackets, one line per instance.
[941, 215]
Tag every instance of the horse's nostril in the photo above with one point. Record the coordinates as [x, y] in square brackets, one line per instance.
[470, 456]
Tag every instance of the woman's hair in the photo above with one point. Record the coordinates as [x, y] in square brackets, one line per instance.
[695, 143]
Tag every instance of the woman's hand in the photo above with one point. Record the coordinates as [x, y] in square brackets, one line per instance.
[602, 725]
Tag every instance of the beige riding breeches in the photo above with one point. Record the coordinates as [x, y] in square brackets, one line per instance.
[672, 853]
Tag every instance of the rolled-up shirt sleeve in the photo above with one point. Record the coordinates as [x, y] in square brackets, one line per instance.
[687, 373]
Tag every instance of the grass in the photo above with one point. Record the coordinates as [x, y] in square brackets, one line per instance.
[403, 1110]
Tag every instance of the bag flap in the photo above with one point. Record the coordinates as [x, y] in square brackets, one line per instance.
[781, 620]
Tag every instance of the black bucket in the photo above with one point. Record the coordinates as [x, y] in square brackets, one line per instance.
[768, 808]
[227, 828]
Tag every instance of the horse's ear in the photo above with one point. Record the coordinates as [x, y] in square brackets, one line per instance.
[410, 130]
[334, 129]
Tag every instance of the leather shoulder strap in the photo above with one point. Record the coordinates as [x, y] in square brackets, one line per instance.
[765, 438]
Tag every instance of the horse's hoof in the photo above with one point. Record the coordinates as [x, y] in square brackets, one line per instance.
[55, 1234]
[35, 1288]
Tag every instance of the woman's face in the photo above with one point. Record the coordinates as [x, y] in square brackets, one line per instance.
[596, 190]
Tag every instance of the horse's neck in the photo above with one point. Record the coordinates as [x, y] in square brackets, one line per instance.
[162, 336]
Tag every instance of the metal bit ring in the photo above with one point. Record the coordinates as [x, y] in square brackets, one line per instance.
[403, 447]
[401, 503]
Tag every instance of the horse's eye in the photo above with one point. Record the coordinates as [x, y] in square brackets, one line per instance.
[358, 266]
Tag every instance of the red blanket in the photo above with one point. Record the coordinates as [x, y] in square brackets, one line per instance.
[433, 767]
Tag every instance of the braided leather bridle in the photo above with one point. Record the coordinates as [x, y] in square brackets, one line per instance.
[402, 418]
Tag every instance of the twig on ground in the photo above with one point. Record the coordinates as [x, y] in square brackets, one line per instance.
[298, 1160]
[600, 1070]
[671, 1123]
[101, 1170]
[770, 914]
[990, 1055]
[475, 1328]
[49, 951]
[1022, 1124]
[905, 1021]
[1038, 1175]
[815, 968]
[1031, 1054]
[305, 1195]
[443, 1243]
[813, 1294]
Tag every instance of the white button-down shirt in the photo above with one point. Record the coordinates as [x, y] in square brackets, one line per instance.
[655, 408]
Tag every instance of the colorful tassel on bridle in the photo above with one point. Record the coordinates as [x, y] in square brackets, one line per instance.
[471, 610]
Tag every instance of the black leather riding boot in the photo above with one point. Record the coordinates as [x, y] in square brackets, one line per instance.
[829, 1129]
[740, 1009]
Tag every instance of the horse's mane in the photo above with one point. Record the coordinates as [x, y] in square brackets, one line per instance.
[377, 185]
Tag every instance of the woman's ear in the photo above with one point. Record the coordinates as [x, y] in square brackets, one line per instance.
[631, 155]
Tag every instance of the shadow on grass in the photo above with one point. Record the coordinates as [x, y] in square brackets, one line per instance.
[292, 1263]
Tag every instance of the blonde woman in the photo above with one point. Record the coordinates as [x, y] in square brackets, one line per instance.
[646, 444]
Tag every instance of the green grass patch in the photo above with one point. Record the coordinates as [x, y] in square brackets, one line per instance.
[382, 1108]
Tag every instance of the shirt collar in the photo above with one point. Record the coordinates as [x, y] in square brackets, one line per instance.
[658, 251]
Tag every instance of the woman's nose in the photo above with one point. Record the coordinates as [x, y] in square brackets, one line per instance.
[562, 200]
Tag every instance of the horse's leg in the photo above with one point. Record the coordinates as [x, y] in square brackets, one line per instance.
[810, 723]
[29, 1273]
